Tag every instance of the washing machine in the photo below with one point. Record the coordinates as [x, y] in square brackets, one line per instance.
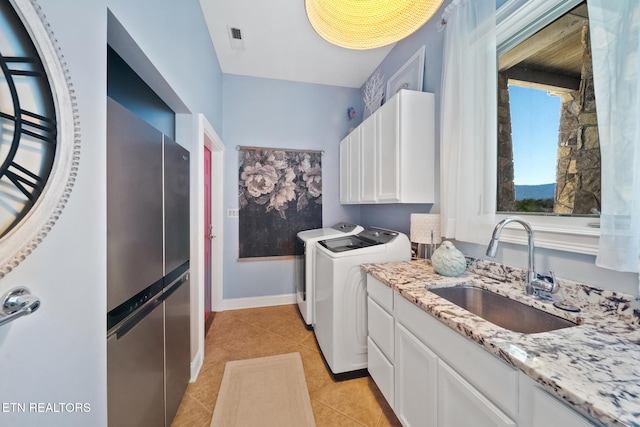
[305, 263]
[340, 323]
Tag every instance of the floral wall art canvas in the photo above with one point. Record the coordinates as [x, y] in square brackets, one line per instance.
[280, 194]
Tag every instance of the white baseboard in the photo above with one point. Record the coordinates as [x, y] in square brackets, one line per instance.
[196, 365]
[253, 302]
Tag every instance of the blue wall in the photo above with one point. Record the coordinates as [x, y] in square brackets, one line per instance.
[274, 113]
[175, 38]
[286, 114]
[281, 114]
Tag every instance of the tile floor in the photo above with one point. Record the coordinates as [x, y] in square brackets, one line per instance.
[267, 331]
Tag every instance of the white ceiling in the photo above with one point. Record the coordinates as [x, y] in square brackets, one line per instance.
[279, 43]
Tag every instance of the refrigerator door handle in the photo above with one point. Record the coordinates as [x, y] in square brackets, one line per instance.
[128, 324]
[174, 285]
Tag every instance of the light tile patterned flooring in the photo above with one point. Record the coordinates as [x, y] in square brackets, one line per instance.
[267, 331]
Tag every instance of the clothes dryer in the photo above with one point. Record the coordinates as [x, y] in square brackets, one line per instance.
[305, 263]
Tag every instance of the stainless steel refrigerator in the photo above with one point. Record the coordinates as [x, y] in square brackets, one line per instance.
[148, 348]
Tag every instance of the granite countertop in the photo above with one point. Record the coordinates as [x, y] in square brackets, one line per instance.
[594, 366]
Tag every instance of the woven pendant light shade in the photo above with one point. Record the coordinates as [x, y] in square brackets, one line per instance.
[367, 24]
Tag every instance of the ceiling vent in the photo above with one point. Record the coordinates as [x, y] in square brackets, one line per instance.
[235, 36]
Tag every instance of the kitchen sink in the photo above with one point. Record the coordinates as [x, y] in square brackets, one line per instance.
[502, 311]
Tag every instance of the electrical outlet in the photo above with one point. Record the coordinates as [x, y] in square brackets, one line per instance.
[233, 213]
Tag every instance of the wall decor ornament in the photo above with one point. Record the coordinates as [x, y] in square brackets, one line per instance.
[39, 137]
[374, 91]
[279, 194]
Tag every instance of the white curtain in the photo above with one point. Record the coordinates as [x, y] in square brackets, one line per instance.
[615, 31]
[469, 121]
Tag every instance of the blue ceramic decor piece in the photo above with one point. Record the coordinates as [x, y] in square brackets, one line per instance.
[448, 261]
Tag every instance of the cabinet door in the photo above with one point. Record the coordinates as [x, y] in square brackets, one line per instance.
[416, 370]
[368, 157]
[380, 328]
[494, 378]
[460, 404]
[381, 370]
[354, 166]
[388, 148]
[344, 170]
[540, 409]
[550, 411]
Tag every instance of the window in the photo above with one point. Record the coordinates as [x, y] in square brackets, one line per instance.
[548, 143]
[527, 37]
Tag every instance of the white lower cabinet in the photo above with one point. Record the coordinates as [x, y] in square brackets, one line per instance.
[429, 392]
[416, 384]
[381, 370]
[380, 339]
[461, 404]
[380, 324]
[432, 376]
[540, 409]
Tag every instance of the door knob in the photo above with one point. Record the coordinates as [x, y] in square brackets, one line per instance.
[16, 303]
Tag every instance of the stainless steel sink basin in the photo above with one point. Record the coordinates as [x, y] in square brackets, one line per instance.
[502, 311]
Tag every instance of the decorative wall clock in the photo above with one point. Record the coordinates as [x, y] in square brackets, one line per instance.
[39, 131]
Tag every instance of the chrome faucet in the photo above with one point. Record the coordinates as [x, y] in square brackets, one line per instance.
[533, 282]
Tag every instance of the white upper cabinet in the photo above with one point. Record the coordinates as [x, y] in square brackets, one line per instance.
[368, 156]
[350, 168]
[344, 171]
[395, 153]
[388, 147]
[355, 184]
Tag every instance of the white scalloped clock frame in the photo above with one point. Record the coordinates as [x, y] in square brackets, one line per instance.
[16, 245]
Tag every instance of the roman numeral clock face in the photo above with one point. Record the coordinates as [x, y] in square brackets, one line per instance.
[36, 116]
[28, 142]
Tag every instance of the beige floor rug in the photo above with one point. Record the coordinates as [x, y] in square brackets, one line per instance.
[268, 391]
